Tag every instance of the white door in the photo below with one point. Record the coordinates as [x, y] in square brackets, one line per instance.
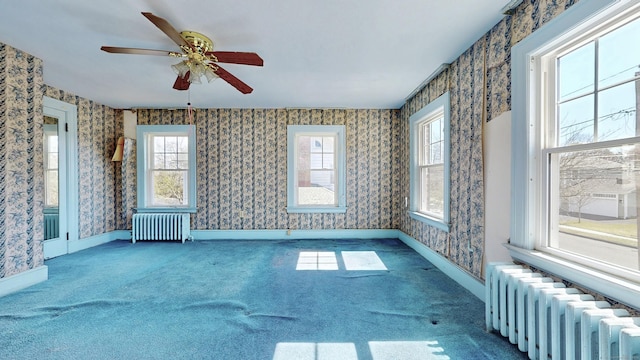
[60, 173]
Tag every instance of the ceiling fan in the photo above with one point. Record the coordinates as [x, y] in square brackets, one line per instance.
[198, 56]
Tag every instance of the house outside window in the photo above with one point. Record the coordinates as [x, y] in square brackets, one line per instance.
[316, 168]
[166, 168]
[576, 141]
[429, 170]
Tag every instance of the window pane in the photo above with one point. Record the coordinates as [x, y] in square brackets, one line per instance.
[576, 72]
[435, 130]
[436, 153]
[315, 161]
[619, 55]
[576, 121]
[327, 161]
[317, 195]
[51, 188]
[158, 144]
[169, 188]
[617, 112]
[595, 194]
[432, 188]
[171, 144]
[52, 161]
[183, 144]
[171, 161]
[52, 143]
[158, 161]
[315, 144]
[320, 190]
[328, 144]
[183, 161]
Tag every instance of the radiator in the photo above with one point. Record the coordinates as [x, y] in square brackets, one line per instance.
[160, 227]
[550, 321]
[51, 226]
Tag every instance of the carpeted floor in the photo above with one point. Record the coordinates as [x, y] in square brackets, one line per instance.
[247, 300]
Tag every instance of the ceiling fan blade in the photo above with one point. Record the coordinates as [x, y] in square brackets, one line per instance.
[135, 51]
[182, 83]
[232, 80]
[232, 57]
[166, 28]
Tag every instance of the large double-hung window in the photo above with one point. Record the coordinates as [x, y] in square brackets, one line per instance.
[576, 102]
[316, 176]
[166, 167]
[429, 167]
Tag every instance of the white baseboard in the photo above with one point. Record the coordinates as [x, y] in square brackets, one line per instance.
[23, 280]
[82, 244]
[293, 234]
[450, 269]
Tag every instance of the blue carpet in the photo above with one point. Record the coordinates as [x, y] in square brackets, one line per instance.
[245, 300]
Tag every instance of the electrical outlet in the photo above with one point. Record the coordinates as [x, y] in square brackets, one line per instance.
[241, 214]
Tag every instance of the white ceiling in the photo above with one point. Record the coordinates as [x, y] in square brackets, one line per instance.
[317, 54]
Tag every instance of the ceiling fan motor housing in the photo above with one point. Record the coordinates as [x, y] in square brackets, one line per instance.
[201, 44]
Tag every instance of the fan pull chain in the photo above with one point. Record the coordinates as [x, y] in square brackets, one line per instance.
[190, 109]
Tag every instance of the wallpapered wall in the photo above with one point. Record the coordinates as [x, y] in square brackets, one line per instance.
[479, 82]
[242, 165]
[98, 128]
[21, 172]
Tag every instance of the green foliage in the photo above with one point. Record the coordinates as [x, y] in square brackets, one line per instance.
[169, 185]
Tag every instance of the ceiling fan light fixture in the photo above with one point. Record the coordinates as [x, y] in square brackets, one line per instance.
[210, 75]
[180, 68]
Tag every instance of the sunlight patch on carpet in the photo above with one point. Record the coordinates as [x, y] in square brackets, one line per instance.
[407, 350]
[317, 260]
[362, 260]
[315, 351]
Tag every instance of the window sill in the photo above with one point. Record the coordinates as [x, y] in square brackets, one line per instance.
[165, 210]
[334, 209]
[617, 288]
[429, 220]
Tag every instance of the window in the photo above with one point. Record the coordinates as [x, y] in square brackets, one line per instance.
[575, 141]
[316, 168]
[429, 171]
[166, 167]
[51, 166]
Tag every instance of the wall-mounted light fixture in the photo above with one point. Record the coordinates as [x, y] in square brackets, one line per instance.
[117, 155]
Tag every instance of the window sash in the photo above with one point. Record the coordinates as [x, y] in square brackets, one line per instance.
[319, 192]
[316, 170]
[431, 190]
[166, 150]
[557, 143]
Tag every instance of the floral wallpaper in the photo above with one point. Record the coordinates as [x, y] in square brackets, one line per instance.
[21, 171]
[479, 82]
[242, 166]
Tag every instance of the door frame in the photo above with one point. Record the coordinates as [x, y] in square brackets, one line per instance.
[67, 115]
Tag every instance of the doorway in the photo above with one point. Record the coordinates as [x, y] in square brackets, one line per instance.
[59, 153]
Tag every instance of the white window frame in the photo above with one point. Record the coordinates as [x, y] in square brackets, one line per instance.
[338, 131]
[143, 134]
[440, 107]
[528, 221]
